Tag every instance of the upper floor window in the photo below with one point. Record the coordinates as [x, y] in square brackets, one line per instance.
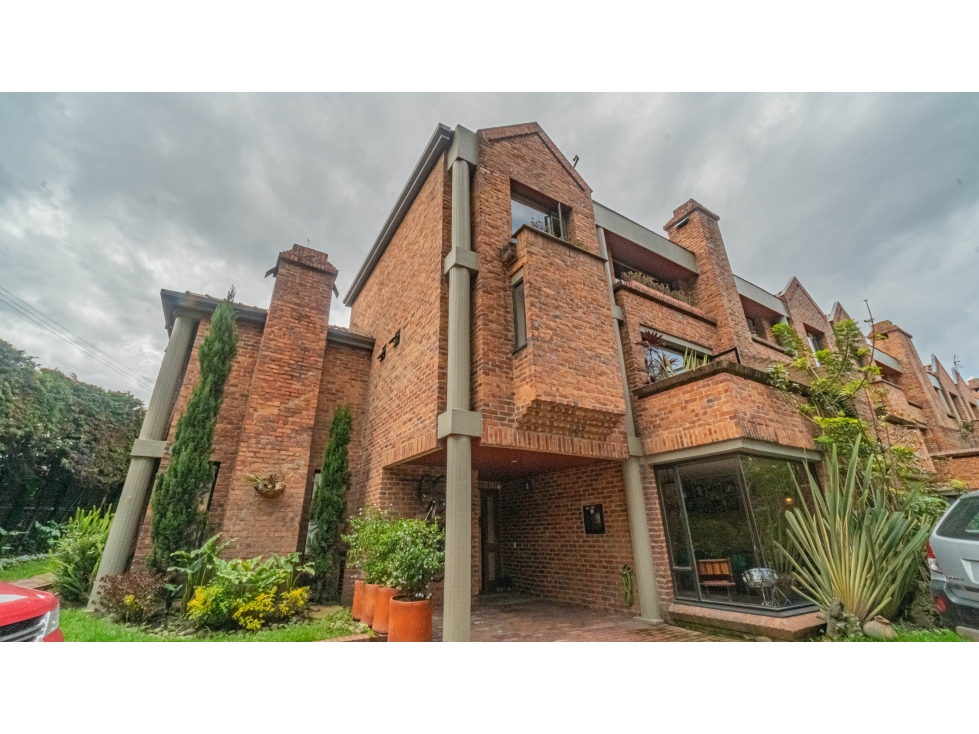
[519, 311]
[667, 356]
[941, 397]
[816, 343]
[550, 218]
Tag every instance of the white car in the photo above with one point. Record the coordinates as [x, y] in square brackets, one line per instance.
[953, 557]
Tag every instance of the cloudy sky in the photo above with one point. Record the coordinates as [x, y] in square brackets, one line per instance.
[104, 200]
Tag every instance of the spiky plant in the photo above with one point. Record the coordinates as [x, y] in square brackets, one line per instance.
[852, 546]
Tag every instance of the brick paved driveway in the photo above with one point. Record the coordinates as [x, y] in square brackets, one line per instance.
[519, 618]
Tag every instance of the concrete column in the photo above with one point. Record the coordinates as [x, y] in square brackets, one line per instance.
[458, 460]
[147, 449]
[642, 551]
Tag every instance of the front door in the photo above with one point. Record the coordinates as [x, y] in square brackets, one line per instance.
[489, 525]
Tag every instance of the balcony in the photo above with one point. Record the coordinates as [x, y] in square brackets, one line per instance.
[722, 401]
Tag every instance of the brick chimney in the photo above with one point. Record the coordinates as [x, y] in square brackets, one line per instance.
[278, 427]
[694, 227]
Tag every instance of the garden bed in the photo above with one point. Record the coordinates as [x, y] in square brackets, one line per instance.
[81, 626]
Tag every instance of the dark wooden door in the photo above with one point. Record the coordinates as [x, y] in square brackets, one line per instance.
[489, 521]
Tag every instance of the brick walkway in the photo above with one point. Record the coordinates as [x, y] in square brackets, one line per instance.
[519, 618]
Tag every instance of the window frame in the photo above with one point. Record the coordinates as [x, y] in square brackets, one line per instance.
[518, 303]
[550, 212]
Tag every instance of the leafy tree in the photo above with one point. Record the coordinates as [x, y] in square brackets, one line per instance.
[64, 444]
[330, 500]
[177, 517]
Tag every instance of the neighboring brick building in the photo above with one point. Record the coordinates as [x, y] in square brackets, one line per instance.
[562, 291]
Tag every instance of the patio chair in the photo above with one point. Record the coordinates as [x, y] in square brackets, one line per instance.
[715, 573]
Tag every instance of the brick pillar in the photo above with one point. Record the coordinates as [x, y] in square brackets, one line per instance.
[716, 292]
[278, 426]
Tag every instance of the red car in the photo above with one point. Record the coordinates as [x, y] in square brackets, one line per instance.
[27, 615]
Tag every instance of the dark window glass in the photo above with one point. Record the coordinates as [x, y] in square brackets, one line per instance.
[676, 535]
[519, 316]
[962, 522]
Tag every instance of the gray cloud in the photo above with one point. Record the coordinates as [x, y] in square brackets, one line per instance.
[105, 199]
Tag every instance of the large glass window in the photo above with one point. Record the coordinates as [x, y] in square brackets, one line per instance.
[548, 219]
[725, 521]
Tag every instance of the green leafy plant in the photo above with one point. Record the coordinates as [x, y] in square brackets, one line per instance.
[178, 520]
[249, 592]
[368, 544]
[197, 567]
[77, 554]
[330, 501]
[656, 285]
[415, 555]
[852, 547]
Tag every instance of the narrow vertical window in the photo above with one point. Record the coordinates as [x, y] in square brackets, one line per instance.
[519, 311]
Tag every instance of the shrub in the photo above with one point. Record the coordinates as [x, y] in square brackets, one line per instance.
[132, 598]
[78, 552]
[415, 555]
[177, 517]
[330, 500]
[852, 548]
[368, 544]
[197, 567]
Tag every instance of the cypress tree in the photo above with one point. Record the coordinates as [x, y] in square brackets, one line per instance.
[177, 516]
[330, 500]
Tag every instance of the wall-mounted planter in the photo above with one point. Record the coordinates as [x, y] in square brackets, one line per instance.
[269, 486]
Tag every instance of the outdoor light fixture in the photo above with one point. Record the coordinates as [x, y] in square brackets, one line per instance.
[396, 339]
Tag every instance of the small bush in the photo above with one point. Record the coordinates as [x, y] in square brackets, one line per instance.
[78, 552]
[416, 555]
[132, 598]
[249, 593]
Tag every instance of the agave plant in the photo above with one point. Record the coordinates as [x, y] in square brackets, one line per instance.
[852, 547]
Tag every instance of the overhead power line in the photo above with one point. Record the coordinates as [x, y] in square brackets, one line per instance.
[94, 352]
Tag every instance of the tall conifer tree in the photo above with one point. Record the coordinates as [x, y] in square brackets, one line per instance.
[330, 500]
[177, 516]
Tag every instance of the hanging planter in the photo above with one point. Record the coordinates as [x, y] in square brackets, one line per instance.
[269, 486]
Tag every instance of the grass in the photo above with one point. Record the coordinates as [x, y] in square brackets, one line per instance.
[913, 635]
[81, 626]
[27, 569]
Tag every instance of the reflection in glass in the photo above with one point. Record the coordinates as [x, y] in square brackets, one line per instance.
[725, 521]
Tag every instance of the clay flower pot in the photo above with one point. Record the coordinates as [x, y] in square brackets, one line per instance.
[370, 596]
[382, 608]
[357, 608]
[410, 621]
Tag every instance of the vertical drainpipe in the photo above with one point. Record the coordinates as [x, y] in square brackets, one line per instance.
[458, 424]
[147, 449]
[642, 552]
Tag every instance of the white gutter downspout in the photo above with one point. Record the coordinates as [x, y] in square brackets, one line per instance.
[458, 424]
[642, 552]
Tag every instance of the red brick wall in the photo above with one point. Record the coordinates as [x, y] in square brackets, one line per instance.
[227, 429]
[405, 291]
[568, 311]
[718, 408]
[344, 382]
[278, 428]
[657, 536]
[553, 557]
[965, 468]
[715, 290]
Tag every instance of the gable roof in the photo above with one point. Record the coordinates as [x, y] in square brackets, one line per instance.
[440, 141]
[532, 128]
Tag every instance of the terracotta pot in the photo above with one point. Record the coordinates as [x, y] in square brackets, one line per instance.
[357, 608]
[382, 608]
[370, 596]
[410, 621]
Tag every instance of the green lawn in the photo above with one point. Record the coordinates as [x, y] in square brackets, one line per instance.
[27, 569]
[81, 626]
[906, 635]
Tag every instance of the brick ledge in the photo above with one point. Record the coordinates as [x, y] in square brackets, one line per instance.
[779, 628]
[649, 294]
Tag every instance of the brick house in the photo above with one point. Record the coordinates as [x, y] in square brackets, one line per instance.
[495, 358]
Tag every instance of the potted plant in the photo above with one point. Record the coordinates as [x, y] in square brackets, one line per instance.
[416, 556]
[368, 530]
